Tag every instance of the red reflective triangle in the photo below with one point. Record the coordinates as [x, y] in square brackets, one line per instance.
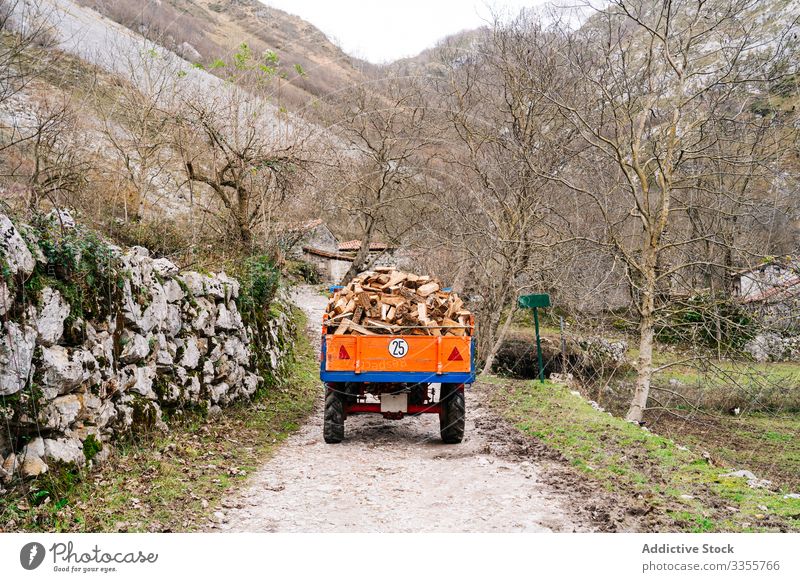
[343, 355]
[455, 356]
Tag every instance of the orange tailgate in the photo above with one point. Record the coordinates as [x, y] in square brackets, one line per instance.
[349, 353]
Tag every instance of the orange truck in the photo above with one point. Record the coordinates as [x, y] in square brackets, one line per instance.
[396, 375]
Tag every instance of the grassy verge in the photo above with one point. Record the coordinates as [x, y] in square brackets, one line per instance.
[171, 482]
[764, 443]
[655, 472]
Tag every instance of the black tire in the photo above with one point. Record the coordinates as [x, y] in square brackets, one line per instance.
[451, 419]
[333, 428]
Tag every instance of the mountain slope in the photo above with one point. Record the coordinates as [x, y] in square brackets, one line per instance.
[209, 32]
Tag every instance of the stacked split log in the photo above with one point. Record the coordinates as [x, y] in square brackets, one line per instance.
[388, 301]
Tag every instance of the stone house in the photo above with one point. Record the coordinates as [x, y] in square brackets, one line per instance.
[314, 243]
[772, 290]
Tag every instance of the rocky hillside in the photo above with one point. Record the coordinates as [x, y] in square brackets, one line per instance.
[207, 32]
[97, 342]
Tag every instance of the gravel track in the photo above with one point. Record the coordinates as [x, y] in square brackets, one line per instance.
[397, 476]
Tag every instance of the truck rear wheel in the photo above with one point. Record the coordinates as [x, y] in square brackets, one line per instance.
[451, 419]
[333, 429]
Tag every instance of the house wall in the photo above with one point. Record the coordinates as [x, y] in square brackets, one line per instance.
[338, 269]
[322, 264]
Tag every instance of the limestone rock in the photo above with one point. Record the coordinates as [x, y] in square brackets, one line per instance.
[64, 369]
[752, 481]
[230, 286]
[106, 414]
[62, 412]
[52, 313]
[766, 347]
[250, 383]
[61, 217]
[33, 467]
[64, 450]
[173, 321]
[191, 354]
[17, 344]
[136, 348]
[139, 379]
[228, 319]
[173, 291]
[10, 464]
[165, 267]
[193, 388]
[194, 282]
[5, 298]
[188, 52]
[13, 248]
[34, 448]
[236, 349]
[206, 317]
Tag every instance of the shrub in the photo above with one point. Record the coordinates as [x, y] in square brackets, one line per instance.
[712, 321]
[163, 238]
[304, 271]
[84, 268]
[259, 278]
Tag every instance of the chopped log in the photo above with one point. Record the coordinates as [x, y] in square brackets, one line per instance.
[363, 300]
[427, 289]
[357, 314]
[354, 327]
[373, 324]
[342, 327]
[395, 278]
[422, 312]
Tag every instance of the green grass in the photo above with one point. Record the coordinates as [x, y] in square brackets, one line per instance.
[622, 458]
[170, 482]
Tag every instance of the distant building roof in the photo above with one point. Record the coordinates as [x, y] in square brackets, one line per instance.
[777, 292]
[355, 244]
[327, 254]
[785, 263]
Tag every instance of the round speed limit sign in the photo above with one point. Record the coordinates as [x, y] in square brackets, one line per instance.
[398, 348]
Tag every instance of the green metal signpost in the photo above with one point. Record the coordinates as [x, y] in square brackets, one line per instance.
[534, 302]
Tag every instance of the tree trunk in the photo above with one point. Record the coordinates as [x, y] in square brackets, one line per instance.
[644, 368]
[361, 256]
[242, 215]
[487, 366]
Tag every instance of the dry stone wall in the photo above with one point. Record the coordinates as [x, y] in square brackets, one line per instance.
[160, 342]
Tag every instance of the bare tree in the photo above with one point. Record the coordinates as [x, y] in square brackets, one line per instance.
[504, 133]
[137, 129]
[646, 82]
[236, 146]
[24, 25]
[60, 163]
[386, 164]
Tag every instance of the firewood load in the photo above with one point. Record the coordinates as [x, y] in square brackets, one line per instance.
[390, 302]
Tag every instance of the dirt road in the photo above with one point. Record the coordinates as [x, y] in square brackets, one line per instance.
[396, 476]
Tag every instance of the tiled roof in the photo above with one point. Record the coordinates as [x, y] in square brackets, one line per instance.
[327, 254]
[784, 290]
